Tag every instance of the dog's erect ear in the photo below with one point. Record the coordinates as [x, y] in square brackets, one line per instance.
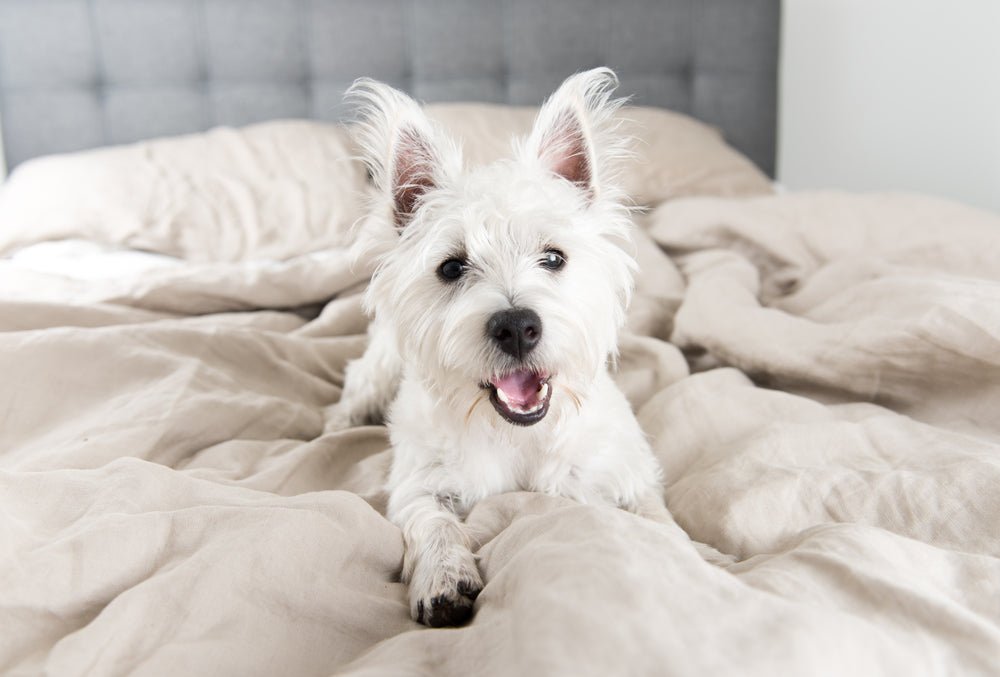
[575, 132]
[413, 173]
[404, 152]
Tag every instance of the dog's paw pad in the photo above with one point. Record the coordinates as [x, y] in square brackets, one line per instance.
[449, 609]
[445, 611]
[470, 589]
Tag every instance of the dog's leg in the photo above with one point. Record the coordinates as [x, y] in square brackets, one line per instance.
[370, 382]
[438, 565]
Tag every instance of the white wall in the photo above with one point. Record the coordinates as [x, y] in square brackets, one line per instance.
[892, 94]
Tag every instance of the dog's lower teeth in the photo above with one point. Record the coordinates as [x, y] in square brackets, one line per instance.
[524, 407]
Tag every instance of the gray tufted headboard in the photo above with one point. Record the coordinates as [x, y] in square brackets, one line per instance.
[77, 74]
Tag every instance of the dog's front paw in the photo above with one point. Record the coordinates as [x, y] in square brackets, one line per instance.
[349, 414]
[336, 417]
[444, 594]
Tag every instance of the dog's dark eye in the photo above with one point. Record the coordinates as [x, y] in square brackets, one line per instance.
[451, 270]
[553, 259]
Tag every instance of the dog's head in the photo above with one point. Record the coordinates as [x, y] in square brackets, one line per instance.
[507, 283]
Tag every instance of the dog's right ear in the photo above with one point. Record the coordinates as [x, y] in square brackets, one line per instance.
[401, 147]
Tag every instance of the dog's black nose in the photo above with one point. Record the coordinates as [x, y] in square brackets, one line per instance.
[516, 331]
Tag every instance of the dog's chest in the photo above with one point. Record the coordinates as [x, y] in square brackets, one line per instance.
[517, 460]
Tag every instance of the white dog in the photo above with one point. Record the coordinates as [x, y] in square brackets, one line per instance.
[498, 297]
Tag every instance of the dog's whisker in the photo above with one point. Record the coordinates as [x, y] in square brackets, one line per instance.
[475, 403]
[575, 398]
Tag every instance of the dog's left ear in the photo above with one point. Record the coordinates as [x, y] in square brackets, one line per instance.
[406, 155]
[575, 132]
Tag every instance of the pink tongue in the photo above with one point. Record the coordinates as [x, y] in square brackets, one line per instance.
[520, 387]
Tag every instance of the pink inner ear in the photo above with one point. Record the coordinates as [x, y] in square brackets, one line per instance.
[565, 152]
[413, 175]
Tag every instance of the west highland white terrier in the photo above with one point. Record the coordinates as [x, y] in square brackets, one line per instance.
[498, 297]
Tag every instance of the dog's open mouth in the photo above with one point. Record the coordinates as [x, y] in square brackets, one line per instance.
[522, 397]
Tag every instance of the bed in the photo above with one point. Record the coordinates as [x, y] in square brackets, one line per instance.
[818, 373]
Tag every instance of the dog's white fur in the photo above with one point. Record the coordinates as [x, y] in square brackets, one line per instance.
[431, 360]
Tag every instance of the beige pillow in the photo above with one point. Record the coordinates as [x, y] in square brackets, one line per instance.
[267, 191]
[674, 155]
[279, 189]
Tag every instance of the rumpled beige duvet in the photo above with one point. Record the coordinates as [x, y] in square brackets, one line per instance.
[173, 502]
